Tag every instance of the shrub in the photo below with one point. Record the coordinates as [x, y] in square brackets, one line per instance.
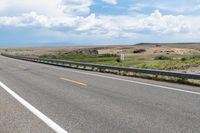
[118, 60]
[108, 55]
[195, 57]
[139, 51]
[183, 59]
[162, 57]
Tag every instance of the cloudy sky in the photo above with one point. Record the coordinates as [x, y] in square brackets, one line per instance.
[82, 22]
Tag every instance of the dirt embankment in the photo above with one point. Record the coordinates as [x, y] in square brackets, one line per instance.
[83, 51]
[150, 50]
[171, 50]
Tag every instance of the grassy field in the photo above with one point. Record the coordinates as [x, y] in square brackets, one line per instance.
[162, 62]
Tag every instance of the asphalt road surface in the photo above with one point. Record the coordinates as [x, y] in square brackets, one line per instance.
[39, 98]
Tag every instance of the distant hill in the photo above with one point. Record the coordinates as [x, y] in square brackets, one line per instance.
[186, 43]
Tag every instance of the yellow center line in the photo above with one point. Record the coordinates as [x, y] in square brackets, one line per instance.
[73, 81]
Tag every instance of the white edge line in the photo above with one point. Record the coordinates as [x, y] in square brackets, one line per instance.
[36, 112]
[109, 77]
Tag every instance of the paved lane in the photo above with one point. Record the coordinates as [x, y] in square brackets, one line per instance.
[81, 101]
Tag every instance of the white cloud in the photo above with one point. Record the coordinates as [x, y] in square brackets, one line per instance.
[138, 7]
[167, 23]
[45, 7]
[76, 6]
[112, 26]
[177, 7]
[112, 2]
[33, 19]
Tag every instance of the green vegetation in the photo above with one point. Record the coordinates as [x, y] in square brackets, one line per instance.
[167, 62]
[86, 58]
[118, 60]
[162, 57]
[172, 64]
[139, 51]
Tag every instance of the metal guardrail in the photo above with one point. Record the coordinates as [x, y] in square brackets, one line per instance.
[106, 67]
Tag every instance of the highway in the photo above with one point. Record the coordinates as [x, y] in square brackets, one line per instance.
[39, 98]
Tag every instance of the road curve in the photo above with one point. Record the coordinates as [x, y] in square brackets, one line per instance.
[91, 102]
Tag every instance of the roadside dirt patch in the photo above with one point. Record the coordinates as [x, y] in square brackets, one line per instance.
[170, 50]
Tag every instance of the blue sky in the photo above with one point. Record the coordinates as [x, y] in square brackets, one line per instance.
[90, 22]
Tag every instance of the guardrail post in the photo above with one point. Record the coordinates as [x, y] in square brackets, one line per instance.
[84, 67]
